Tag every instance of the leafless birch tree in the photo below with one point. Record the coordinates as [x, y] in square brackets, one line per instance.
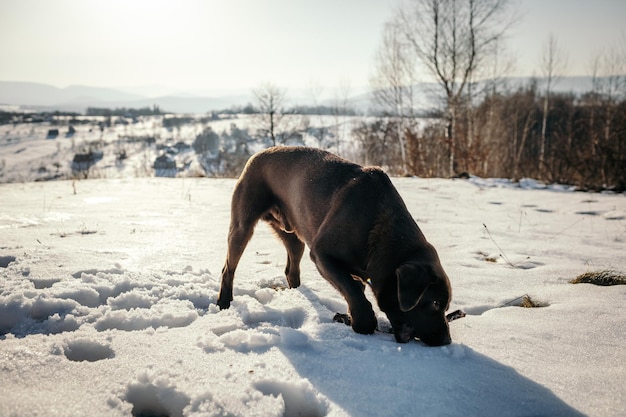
[608, 88]
[452, 39]
[270, 101]
[553, 64]
[394, 80]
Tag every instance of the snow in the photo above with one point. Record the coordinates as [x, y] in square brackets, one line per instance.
[26, 155]
[108, 290]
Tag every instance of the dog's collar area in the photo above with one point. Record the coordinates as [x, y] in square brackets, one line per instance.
[458, 314]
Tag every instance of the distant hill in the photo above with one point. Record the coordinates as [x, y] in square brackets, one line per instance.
[35, 94]
[77, 97]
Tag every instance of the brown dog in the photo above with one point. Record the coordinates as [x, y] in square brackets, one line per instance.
[358, 230]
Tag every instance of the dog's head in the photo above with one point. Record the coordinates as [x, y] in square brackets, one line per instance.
[423, 298]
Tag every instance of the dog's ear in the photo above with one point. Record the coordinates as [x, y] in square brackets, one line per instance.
[413, 279]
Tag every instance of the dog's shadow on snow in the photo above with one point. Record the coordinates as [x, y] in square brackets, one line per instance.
[373, 375]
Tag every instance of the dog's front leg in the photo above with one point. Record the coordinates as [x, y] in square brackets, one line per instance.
[361, 312]
[226, 288]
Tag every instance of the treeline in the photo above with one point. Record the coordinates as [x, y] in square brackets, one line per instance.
[573, 140]
[34, 117]
[482, 129]
[583, 141]
[178, 121]
[322, 110]
[124, 112]
[317, 110]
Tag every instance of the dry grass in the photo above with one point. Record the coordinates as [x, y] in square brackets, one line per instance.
[485, 257]
[526, 301]
[604, 278]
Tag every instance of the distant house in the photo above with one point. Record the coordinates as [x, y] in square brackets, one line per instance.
[70, 132]
[52, 134]
[183, 147]
[84, 160]
[165, 166]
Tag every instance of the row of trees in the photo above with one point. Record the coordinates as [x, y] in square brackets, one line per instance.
[124, 112]
[580, 140]
[276, 123]
[482, 127]
[516, 131]
[15, 117]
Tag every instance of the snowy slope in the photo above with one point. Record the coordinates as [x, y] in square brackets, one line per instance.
[108, 291]
[27, 155]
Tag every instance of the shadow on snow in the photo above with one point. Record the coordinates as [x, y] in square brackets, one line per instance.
[373, 375]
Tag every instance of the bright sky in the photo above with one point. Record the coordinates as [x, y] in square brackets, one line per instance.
[214, 45]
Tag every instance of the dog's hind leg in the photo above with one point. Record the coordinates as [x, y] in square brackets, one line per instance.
[238, 238]
[242, 222]
[295, 249]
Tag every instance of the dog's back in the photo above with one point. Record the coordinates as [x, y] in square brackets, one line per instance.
[303, 184]
[288, 168]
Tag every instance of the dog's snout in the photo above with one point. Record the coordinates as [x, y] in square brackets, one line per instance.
[438, 339]
[403, 333]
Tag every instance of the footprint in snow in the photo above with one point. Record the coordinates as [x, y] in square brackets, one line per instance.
[6, 260]
[300, 398]
[155, 397]
[81, 350]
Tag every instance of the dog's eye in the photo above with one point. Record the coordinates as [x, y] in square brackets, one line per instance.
[436, 305]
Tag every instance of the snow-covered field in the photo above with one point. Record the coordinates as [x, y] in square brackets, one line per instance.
[108, 291]
[27, 154]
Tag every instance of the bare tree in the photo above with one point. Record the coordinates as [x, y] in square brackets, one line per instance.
[613, 84]
[316, 91]
[452, 39]
[609, 87]
[553, 64]
[596, 87]
[394, 80]
[340, 110]
[270, 101]
[487, 83]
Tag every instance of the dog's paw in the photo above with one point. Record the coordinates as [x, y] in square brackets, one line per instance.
[343, 318]
[223, 304]
[364, 325]
[293, 280]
